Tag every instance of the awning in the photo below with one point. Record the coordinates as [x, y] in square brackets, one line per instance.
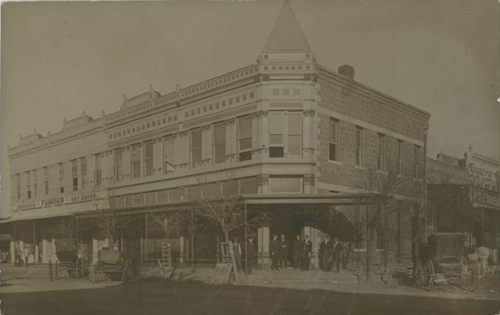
[253, 199]
[39, 217]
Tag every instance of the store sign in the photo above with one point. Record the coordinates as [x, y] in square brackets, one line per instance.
[58, 201]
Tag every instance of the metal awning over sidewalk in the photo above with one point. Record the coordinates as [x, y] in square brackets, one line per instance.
[253, 199]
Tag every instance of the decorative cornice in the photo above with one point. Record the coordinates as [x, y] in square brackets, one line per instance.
[144, 136]
[218, 117]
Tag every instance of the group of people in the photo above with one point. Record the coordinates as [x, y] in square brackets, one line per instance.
[302, 251]
[239, 254]
[330, 253]
[22, 255]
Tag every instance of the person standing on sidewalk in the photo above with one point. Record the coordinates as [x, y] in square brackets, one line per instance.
[274, 250]
[306, 254]
[237, 253]
[19, 254]
[297, 250]
[337, 253]
[252, 253]
[283, 251]
[325, 254]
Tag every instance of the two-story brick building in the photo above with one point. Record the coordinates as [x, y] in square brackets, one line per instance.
[292, 133]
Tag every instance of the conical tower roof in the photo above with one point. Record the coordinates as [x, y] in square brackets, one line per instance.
[286, 35]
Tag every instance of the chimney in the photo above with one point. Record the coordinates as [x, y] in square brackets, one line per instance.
[347, 71]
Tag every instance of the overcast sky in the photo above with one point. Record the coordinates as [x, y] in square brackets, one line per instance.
[59, 59]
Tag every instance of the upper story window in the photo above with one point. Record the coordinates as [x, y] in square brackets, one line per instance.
[118, 164]
[220, 143]
[148, 158]
[334, 141]
[83, 171]
[18, 184]
[98, 170]
[381, 153]
[359, 146]
[35, 182]
[400, 157]
[74, 174]
[136, 160]
[195, 147]
[46, 179]
[245, 138]
[168, 154]
[28, 184]
[285, 134]
[61, 177]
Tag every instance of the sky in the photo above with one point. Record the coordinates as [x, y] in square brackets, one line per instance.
[59, 59]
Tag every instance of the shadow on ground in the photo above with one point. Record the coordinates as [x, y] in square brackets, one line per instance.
[193, 297]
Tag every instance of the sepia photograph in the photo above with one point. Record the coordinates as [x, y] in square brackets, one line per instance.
[250, 157]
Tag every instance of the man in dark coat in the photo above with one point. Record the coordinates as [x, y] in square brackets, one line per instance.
[274, 250]
[306, 254]
[237, 253]
[325, 254]
[283, 251]
[337, 253]
[297, 250]
[252, 254]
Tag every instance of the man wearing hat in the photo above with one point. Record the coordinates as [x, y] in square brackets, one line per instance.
[274, 250]
[251, 252]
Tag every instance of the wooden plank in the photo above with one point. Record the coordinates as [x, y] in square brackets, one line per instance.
[222, 273]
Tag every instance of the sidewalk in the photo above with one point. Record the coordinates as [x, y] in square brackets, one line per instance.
[36, 278]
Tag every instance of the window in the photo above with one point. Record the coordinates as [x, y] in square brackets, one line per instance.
[98, 170]
[220, 143]
[136, 160]
[400, 157]
[276, 92]
[18, 183]
[118, 164]
[148, 158]
[83, 171]
[245, 138]
[61, 178]
[333, 150]
[35, 182]
[276, 135]
[294, 144]
[74, 174]
[416, 161]
[285, 134]
[381, 153]
[28, 184]
[195, 147]
[359, 146]
[46, 179]
[168, 154]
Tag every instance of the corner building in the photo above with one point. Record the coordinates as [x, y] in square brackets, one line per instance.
[298, 138]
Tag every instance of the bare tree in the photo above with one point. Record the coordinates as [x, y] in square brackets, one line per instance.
[64, 227]
[384, 185]
[109, 219]
[166, 221]
[219, 204]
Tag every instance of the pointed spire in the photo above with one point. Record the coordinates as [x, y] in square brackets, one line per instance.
[286, 34]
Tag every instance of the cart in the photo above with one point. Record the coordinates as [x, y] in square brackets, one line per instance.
[445, 255]
[66, 258]
[109, 266]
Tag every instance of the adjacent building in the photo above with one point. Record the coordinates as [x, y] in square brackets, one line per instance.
[286, 133]
[465, 195]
